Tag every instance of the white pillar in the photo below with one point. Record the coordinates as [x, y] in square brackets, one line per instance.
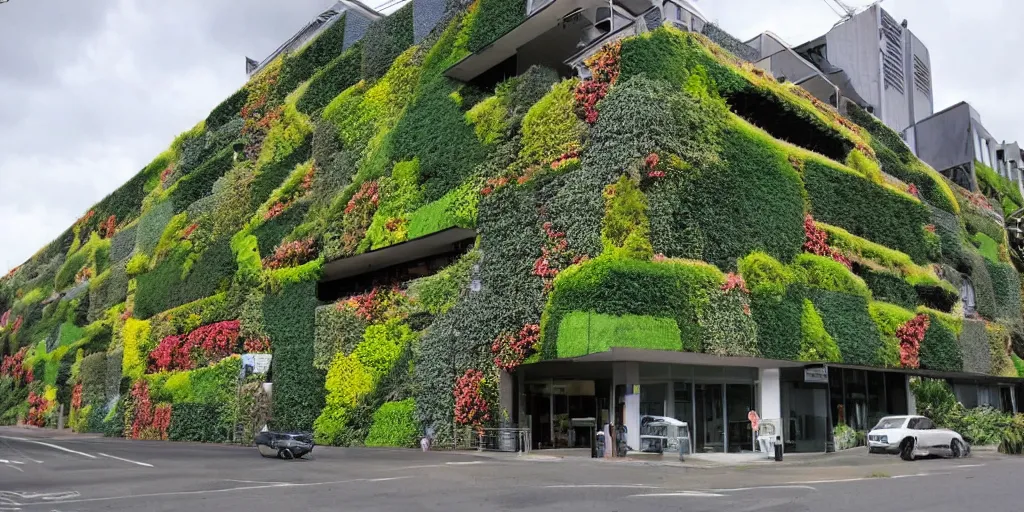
[770, 398]
[629, 374]
[911, 401]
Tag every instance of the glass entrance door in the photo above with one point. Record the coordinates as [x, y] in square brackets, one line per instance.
[710, 424]
[739, 401]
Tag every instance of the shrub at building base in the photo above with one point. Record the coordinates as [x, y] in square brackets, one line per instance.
[298, 388]
[394, 424]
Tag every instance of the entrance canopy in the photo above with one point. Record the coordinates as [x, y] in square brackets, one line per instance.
[638, 355]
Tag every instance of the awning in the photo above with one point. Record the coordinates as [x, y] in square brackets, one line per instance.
[639, 355]
[438, 243]
[937, 374]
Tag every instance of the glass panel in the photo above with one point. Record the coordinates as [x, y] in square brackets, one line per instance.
[805, 408]
[652, 399]
[710, 423]
[896, 393]
[683, 406]
[739, 400]
[856, 399]
[835, 382]
[876, 398]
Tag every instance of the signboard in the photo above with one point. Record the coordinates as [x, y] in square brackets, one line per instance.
[259, 363]
[636, 389]
[754, 419]
[816, 374]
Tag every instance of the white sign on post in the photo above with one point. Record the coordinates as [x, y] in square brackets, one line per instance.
[261, 363]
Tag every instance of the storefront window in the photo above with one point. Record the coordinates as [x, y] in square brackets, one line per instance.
[739, 400]
[876, 398]
[683, 403]
[856, 399]
[652, 399]
[896, 393]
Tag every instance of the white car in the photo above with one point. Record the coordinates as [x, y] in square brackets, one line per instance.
[915, 436]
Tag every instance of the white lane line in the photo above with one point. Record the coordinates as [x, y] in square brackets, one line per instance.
[48, 445]
[464, 463]
[255, 482]
[125, 460]
[602, 486]
[15, 467]
[740, 489]
[968, 466]
[423, 466]
[837, 481]
[388, 479]
[688, 494]
[219, 491]
[5, 461]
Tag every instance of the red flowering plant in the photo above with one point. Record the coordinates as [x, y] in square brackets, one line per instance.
[166, 173]
[359, 215]
[187, 232]
[494, 184]
[209, 343]
[734, 283]
[16, 326]
[274, 210]
[912, 190]
[259, 111]
[654, 168]
[555, 256]
[604, 70]
[13, 366]
[5, 319]
[471, 405]
[76, 397]
[38, 407]
[148, 421]
[510, 350]
[292, 193]
[377, 305]
[816, 242]
[256, 345]
[911, 334]
[108, 228]
[292, 254]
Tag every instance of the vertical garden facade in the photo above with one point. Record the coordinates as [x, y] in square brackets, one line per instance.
[412, 251]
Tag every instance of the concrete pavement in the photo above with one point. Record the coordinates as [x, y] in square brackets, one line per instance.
[44, 471]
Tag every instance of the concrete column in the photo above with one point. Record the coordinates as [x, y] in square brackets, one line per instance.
[911, 401]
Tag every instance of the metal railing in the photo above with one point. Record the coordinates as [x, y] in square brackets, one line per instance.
[512, 440]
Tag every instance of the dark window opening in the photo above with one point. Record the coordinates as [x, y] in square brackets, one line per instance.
[395, 275]
[502, 71]
[785, 123]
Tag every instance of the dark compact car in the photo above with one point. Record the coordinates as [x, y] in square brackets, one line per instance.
[284, 445]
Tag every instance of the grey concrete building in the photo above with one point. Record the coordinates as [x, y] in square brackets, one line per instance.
[357, 18]
[879, 64]
[784, 63]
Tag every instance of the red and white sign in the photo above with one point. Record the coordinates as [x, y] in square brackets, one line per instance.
[754, 419]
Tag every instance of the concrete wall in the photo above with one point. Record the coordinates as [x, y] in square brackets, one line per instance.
[945, 140]
[919, 61]
[853, 46]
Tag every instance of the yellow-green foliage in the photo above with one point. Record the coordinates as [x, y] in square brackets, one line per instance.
[364, 114]
[889, 318]
[137, 264]
[489, 119]
[400, 193]
[169, 238]
[136, 347]
[551, 126]
[1000, 349]
[764, 274]
[859, 162]
[828, 274]
[382, 345]
[878, 256]
[953, 323]
[286, 135]
[247, 254]
[178, 387]
[284, 193]
[816, 345]
[626, 230]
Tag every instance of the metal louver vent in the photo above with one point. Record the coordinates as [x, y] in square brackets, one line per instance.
[922, 76]
[892, 54]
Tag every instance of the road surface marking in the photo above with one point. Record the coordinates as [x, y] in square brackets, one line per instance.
[968, 466]
[423, 466]
[5, 461]
[125, 460]
[255, 482]
[739, 489]
[15, 467]
[689, 494]
[48, 445]
[837, 481]
[464, 463]
[601, 486]
[45, 496]
[387, 479]
[217, 491]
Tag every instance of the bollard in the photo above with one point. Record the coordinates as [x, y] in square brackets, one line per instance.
[778, 448]
[682, 449]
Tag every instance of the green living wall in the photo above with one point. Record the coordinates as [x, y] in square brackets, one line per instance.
[677, 200]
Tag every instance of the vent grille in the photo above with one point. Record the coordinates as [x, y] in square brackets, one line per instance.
[892, 54]
[922, 76]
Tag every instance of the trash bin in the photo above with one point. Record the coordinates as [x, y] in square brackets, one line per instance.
[599, 444]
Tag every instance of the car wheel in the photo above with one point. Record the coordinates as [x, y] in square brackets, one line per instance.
[286, 454]
[907, 449]
[956, 449]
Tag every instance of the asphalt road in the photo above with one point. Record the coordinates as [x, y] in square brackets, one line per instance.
[42, 471]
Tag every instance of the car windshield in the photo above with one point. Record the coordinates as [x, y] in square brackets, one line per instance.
[891, 422]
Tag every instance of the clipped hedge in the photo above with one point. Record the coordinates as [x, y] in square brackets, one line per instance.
[815, 343]
[151, 226]
[299, 66]
[779, 322]
[887, 287]
[385, 39]
[840, 197]
[227, 109]
[298, 388]
[199, 182]
[889, 318]
[1007, 287]
[582, 333]
[192, 422]
[342, 72]
[974, 347]
[338, 330]
[939, 349]
[674, 290]
[394, 424]
[165, 287]
[492, 19]
[848, 321]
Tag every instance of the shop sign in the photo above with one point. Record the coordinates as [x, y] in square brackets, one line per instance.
[816, 374]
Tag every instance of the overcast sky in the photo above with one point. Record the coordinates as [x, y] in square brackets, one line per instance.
[92, 90]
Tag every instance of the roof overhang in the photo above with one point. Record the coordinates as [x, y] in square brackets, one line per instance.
[508, 44]
[435, 244]
[938, 374]
[639, 355]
